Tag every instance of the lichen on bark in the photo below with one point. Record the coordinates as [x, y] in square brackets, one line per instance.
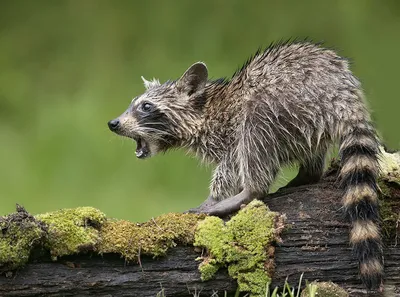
[389, 185]
[324, 289]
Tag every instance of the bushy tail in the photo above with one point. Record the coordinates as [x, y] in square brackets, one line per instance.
[358, 177]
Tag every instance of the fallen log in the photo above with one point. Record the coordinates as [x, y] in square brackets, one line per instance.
[314, 242]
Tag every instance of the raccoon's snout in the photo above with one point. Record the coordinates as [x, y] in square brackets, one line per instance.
[114, 125]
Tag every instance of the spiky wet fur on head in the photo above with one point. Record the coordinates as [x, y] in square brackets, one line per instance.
[166, 115]
[287, 104]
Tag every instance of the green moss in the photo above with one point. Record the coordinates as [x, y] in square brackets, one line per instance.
[20, 232]
[385, 189]
[390, 215]
[151, 238]
[72, 231]
[389, 184]
[324, 289]
[208, 268]
[241, 244]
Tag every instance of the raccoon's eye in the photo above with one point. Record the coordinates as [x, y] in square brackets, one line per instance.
[146, 107]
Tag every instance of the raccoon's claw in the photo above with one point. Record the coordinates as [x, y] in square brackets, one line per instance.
[208, 203]
[211, 210]
[224, 207]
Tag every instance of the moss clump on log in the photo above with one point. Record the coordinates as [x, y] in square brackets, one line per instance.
[243, 245]
[86, 229]
[151, 238]
[71, 231]
[20, 232]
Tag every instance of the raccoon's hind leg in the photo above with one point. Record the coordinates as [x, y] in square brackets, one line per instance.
[310, 171]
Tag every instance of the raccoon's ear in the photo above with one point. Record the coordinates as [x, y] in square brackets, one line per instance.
[194, 79]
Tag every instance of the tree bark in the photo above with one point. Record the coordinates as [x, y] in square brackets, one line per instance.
[316, 244]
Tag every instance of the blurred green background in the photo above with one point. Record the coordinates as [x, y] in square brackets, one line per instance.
[67, 67]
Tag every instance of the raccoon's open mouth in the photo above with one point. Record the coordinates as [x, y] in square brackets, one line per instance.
[142, 148]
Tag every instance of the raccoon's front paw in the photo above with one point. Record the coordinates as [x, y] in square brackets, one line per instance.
[229, 205]
[223, 208]
[204, 207]
[220, 208]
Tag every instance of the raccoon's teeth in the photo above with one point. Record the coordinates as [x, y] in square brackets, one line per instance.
[139, 150]
[142, 150]
[139, 154]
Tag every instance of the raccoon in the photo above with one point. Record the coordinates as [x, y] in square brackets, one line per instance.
[288, 104]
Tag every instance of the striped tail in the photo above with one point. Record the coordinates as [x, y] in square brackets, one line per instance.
[358, 178]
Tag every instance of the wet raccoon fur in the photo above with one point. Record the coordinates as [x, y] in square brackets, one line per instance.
[288, 103]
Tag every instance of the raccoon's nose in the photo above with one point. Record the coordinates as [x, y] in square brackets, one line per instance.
[113, 124]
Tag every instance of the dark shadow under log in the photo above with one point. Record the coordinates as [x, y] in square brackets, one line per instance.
[315, 243]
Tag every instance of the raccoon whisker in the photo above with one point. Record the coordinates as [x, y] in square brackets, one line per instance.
[160, 132]
[161, 139]
[154, 134]
[145, 122]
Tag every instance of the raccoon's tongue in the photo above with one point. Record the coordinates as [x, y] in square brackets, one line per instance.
[142, 150]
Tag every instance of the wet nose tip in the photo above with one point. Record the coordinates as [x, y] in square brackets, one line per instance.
[113, 124]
